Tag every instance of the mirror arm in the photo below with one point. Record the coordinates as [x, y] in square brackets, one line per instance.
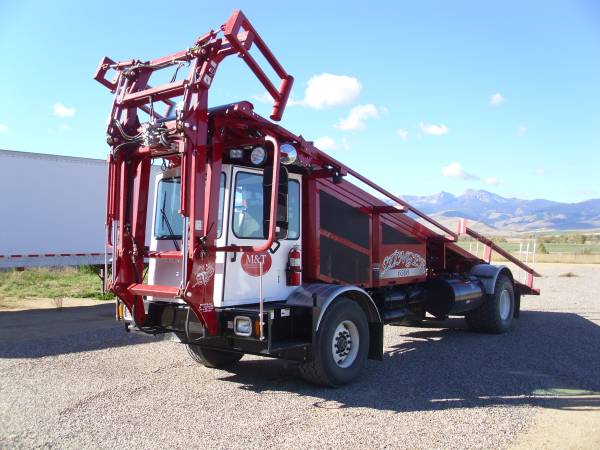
[274, 195]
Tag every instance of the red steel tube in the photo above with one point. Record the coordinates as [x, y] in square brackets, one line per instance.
[274, 194]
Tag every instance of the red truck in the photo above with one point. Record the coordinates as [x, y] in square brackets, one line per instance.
[261, 243]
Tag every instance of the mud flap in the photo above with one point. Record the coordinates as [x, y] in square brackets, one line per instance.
[376, 341]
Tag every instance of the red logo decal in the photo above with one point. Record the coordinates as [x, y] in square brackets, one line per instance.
[251, 262]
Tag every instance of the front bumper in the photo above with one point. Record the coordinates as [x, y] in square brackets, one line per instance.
[287, 330]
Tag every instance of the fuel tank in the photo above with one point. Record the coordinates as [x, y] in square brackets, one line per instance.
[453, 296]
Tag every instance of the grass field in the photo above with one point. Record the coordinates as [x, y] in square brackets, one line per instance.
[588, 253]
[50, 283]
[571, 249]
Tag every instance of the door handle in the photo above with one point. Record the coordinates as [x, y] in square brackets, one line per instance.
[234, 254]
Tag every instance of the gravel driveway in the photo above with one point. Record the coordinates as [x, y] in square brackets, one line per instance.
[85, 383]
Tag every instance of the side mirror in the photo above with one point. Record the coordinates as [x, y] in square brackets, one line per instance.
[282, 201]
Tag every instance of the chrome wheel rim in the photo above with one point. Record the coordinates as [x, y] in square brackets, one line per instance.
[504, 304]
[344, 344]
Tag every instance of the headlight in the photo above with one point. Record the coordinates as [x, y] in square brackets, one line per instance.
[258, 156]
[288, 154]
[242, 326]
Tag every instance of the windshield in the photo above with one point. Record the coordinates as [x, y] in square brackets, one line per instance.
[168, 223]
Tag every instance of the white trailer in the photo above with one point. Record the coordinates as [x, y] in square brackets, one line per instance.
[49, 213]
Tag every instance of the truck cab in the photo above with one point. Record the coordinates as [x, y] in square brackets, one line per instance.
[241, 221]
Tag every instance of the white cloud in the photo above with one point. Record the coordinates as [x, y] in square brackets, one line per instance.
[455, 170]
[402, 133]
[433, 130]
[357, 116]
[3, 128]
[522, 130]
[64, 127]
[265, 97]
[325, 143]
[323, 91]
[492, 181]
[328, 90]
[541, 172]
[497, 99]
[61, 110]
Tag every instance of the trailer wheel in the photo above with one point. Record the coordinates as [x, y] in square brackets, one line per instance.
[341, 347]
[215, 359]
[496, 313]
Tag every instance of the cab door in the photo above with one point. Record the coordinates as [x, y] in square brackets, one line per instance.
[167, 226]
[245, 228]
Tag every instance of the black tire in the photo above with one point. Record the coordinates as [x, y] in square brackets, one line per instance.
[215, 359]
[491, 316]
[323, 370]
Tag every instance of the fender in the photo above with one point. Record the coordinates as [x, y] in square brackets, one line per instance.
[488, 275]
[320, 296]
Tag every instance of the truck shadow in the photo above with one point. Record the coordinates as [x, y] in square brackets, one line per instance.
[550, 359]
[46, 332]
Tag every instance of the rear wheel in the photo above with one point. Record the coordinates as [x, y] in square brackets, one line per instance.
[212, 358]
[341, 346]
[497, 312]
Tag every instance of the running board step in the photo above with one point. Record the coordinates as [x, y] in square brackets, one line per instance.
[172, 254]
[154, 290]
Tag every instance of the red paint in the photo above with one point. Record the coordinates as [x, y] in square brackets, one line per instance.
[251, 261]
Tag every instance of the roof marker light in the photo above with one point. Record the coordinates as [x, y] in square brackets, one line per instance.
[236, 153]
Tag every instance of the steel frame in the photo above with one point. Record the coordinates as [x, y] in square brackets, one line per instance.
[129, 161]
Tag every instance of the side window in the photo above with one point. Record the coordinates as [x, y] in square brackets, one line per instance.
[293, 210]
[248, 206]
[221, 202]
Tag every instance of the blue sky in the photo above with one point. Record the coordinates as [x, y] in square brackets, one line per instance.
[421, 96]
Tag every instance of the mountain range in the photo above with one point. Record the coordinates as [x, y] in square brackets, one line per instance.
[495, 214]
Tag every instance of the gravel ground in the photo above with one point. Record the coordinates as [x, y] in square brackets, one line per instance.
[91, 385]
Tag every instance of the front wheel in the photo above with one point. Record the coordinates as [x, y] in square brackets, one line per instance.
[497, 312]
[341, 346]
[215, 359]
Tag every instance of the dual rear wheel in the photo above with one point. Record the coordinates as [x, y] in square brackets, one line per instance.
[496, 314]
